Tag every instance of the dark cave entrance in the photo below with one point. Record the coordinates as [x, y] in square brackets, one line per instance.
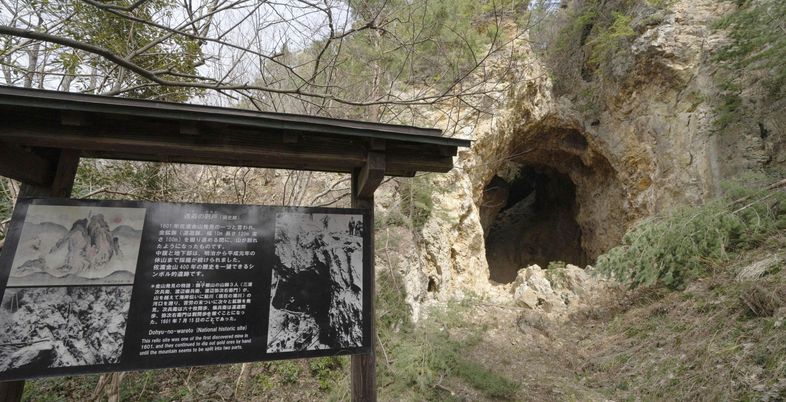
[307, 291]
[530, 219]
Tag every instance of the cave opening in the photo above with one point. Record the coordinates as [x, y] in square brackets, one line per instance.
[530, 218]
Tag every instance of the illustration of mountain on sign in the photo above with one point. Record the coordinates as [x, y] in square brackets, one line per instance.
[77, 246]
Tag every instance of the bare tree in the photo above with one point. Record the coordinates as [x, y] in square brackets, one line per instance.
[348, 58]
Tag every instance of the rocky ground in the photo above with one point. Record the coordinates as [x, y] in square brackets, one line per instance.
[720, 338]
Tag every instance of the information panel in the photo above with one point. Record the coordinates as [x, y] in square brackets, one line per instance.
[99, 286]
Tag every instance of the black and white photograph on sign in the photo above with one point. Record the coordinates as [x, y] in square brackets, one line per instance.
[317, 283]
[62, 326]
[77, 245]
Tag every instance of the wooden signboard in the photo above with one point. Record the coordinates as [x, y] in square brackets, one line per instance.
[101, 286]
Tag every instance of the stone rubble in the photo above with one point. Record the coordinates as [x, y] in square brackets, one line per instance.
[556, 292]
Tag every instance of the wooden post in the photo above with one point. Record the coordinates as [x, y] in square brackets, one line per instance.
[363, 367]
[61, 186]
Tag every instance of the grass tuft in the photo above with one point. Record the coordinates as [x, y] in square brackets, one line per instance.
[760, 301]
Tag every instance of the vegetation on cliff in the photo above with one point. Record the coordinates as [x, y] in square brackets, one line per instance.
[590, 40]
[752, 57]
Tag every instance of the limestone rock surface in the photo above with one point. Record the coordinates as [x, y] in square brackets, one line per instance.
[648, 145]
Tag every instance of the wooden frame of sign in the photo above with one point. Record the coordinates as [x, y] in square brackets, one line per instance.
[45, 133]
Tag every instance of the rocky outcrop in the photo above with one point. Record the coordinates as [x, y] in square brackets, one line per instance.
[495, 198]
[648, 144]
[87, 247]
[558, 291]
[63, 326]
[317, 285]
[90, 244]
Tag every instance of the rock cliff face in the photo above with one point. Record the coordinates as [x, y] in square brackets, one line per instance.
[87, 247]
[89, 243]
[648, 144]
[63, 326]
[316, 302]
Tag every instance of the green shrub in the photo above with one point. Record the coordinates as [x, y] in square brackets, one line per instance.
[288, 372]
[729, 109]
[391, 217]
[423, 356]
[676, 247]
[753, 56]
[562, 36]
[479, 377]
[6, 201]
[757, 42]
[584, 41]
[608, 41]
[327, 370]
[555, 273]
[263, 383]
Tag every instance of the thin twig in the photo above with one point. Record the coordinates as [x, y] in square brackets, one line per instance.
[384, 353]
[387, 256]
[772, 186]
[442, 387]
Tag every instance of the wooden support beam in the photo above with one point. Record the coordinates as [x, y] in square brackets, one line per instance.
[189, 128]
[371, 175]
[64, 174]
[447, 151]
[290, 138]
[376, 144]
[24, 166]
[312, 155]
[11, 391]
[230, 148]
[363, 367]
[71, 118]
[398, 162]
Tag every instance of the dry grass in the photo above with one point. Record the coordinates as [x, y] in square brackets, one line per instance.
[719, 339]
[760, 301]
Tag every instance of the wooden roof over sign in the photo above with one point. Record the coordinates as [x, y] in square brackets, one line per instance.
[36, 123]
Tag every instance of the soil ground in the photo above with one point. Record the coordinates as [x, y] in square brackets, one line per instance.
[720, 338]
